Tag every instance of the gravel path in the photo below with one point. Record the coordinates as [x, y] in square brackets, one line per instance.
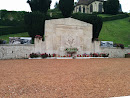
[87, 78]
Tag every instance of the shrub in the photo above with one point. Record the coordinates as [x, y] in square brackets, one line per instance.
[44, 55]
[95, 55]
[8, 22]
[34, 55]
[122, 46]
[104, 54]
[49, 55]
[118, 45]
[115, 17]
[2, 41]
[12, 30]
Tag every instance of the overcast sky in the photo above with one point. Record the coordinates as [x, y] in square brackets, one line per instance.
[21, 5]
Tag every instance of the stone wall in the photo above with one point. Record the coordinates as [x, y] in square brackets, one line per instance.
[15, 51]
[115, 52]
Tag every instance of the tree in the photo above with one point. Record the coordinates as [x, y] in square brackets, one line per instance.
[111, 7]
[56, 5]
[35, 23]
[39, 5]
[104, 6]
[66, 7]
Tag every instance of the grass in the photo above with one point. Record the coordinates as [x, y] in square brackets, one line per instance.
[6, 37]
[105, 15]
[117, 31]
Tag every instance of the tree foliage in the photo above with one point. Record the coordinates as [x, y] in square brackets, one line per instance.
[95, 20]
[35, 23]
[56, 6]
[111, 7]
[39, 5]
[66, 7]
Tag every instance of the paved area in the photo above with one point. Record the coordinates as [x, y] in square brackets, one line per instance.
[88, 78]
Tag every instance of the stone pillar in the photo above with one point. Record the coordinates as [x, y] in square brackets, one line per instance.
[97, 46]
[38, 45]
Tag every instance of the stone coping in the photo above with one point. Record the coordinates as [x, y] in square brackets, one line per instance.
[17, 44]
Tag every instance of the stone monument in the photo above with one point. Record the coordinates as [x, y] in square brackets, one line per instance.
[67, 33]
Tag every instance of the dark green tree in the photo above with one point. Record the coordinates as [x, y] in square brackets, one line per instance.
[35, 23]
[104, 6]
[111, 7]
[66, 7]
[39, 5]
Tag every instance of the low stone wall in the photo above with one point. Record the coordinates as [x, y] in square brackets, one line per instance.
[22, 51]
[15, 51]
[115, 52]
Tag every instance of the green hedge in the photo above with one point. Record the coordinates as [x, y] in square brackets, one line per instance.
[12, 30]
[115, 17]
[11, 23]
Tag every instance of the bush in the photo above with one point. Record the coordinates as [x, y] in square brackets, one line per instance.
[95, 20]
[34, 55]
[119, 45]
[12, 30]
[2, 41]
[44, 55]
[115, 17]
[8, 22]
[104, 54]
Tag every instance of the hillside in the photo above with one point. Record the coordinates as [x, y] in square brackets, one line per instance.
[117, 31]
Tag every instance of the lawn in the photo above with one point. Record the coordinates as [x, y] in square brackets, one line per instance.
[6, 37]
[117, 31]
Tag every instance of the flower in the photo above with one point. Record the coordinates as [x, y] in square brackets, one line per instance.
[38, 36]
[71, 49]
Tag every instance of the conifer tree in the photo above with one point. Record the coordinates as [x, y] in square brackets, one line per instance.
[66, 7]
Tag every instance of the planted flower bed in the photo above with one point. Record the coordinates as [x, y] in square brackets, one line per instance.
[55, 56]
[127, 55]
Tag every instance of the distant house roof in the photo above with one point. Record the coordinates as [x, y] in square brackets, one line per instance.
[86, 2]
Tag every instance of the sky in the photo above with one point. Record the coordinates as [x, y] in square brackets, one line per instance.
[21, 5]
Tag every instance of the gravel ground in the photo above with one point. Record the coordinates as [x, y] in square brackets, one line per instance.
[86, 78]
